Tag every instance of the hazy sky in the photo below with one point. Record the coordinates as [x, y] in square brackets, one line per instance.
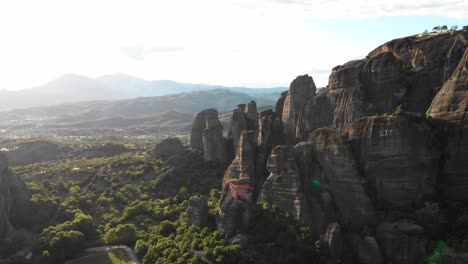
[256, 43]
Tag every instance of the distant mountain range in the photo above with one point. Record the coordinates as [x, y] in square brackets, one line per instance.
[75, 88]
[137, 108]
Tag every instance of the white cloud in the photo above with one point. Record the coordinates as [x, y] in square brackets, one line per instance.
[240, 42]
[377, 8]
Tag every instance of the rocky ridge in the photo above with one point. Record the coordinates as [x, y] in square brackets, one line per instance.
[366, 161]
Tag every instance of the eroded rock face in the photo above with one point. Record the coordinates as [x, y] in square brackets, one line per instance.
[449, 107]
[399, 157]
[14, 200]
[452, 257]
[334, 171]
[207, 136]
[401, 242]
[340, 103]
[367, 250]
[282, 187]
[197, 211]
[300, 90]
[238, 182]
[244, 117]
[270, 134]
[407, 72]
[5, 203]
[333, 240]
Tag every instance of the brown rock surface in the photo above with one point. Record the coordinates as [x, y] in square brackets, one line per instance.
[450, 107]
[335, 169]
[367, 250]
[282, 187]
[199, 124]
[398, 155]
[340, 103]
[207, 136]
[401, 242]
[14, 200]
[270, 134]
[333, 240]
[197, 211]
[300, 90]
[407, 71]
[238, 182]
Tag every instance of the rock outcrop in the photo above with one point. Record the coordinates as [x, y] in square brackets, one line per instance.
[367, 161]
[207, 136]
[367, 250]
[401, 242]
[282, 187]
[237, 187]
[333, 240]
[197, 211]
[14, 200]
[450, 106]
[452, 257]
[407, 72]
[300, 90]
[399, 158]
[5, 200]
[244, 117]
[336, 172]
[168, 148]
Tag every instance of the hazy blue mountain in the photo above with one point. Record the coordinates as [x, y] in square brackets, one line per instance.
[75, 88]
[142, 107]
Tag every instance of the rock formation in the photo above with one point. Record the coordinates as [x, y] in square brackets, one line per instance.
[366, 162]
[14, 200]
[197, 211]
[398, 155]
[207, 136]
[334, 167]
[238, 185]
[407, 72]
[401, 242]
[367, 250]
[244, 117]
[300, 90]
[333, 240]
[450, 106]
[168, 148]
[282, 187]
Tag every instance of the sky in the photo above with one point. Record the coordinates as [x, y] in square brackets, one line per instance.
[254, 43]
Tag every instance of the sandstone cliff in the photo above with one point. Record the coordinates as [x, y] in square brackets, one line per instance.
[14, 200]
[367, 161]
[207, 136]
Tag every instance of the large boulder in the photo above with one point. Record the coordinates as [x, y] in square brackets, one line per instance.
[399, 157]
